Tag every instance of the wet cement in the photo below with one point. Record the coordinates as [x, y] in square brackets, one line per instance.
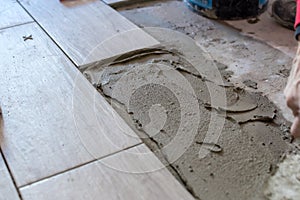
[175, 88]
[246, 57]
[256, 66]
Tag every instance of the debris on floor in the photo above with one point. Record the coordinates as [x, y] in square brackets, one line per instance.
[251, 141]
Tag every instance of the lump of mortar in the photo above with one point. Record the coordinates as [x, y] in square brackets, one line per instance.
[248, 108]
[226, 74]
[256, 115]
[109, 77]
[243, 105]
[250, 83]
[264, 112]
[238, 101]
[215, 148]
[95, 70]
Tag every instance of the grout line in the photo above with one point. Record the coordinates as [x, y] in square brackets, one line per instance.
[17, 25]
[80, 165]
[52, 39]
[11, 174]
[83, 164]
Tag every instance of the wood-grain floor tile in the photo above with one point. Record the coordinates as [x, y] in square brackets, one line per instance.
[88, 31]
[7, 188]
[134, 174]
[53, 117]
[12, 14]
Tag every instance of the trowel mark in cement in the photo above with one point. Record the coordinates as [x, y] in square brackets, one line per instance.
[211, 146]
[249, 147]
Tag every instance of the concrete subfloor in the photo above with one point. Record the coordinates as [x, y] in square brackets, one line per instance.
[253, 137]
[247, 57]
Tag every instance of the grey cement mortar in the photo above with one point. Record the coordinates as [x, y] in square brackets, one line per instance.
[253, 138]
[246, 57]
[256, 66]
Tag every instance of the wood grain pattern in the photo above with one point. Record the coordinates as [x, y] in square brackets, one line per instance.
[11, 14]
[99, 180]
[53, 117]
[7, 188]
[88, 31]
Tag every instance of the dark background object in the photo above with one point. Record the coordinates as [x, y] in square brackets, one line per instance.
[228, 9]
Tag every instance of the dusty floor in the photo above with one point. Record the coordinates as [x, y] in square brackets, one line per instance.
[173, 95]
[246, 57]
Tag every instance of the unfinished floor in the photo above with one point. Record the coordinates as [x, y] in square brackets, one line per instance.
[149, 101]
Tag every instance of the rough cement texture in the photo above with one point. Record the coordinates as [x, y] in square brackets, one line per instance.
[164, 89]
[173, 93]
[255, 64]
[247, 58]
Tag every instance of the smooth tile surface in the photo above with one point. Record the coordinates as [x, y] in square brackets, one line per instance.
[88, 31]
[11, 14]
[134, 179]
[53, 117]
[7, 188]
